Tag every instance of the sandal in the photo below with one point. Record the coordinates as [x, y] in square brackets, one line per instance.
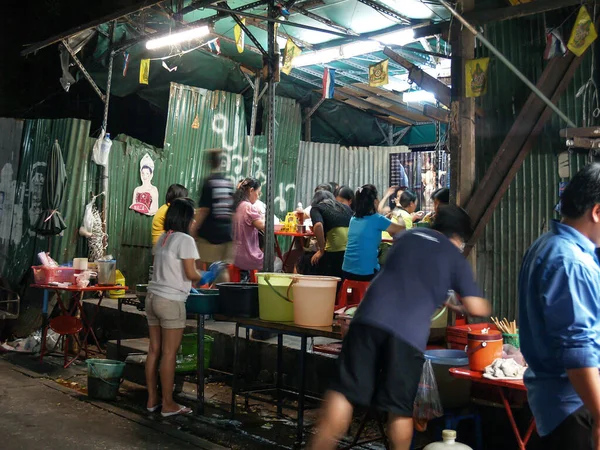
[183, 410]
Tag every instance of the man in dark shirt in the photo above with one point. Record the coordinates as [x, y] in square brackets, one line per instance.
[213, 217]
[382, 358]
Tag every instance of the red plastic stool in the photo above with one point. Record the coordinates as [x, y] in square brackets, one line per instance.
[358, 292]
[65, 326]
[235, 275]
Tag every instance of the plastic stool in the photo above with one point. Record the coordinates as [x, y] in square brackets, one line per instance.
[358, 292]
[451, 419]
[235, 275]
[65, 326]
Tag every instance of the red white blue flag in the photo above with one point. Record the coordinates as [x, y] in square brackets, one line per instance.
[328, 83]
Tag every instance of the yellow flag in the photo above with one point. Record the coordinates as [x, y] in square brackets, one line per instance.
[291, 51]
[583, 34]
[476, 77]
[378, 74]
[144, 71]
[239, 35]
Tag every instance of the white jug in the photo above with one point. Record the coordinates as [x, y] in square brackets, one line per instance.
[448, 442]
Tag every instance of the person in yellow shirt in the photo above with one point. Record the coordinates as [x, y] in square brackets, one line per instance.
[406, 209]
[175, 191]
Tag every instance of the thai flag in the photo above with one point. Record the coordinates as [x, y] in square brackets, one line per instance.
[214, 46]
[328, 83]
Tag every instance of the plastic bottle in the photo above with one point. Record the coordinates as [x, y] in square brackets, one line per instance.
[299, 207]
[106, 143]
[448, 442]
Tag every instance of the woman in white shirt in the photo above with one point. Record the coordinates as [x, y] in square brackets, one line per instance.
[175, 256]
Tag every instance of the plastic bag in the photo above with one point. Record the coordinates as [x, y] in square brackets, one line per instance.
[87, 225]
[101, 150]
[428, 404]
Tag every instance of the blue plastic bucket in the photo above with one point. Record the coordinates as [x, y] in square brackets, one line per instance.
[454, 393]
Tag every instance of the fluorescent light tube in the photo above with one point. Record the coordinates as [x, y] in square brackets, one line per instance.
[176, 38]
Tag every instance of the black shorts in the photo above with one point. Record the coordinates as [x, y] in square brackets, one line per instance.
[575, 432]
[376, 369]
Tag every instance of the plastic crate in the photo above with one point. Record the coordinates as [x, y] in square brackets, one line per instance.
[47, 275]
[458, 334]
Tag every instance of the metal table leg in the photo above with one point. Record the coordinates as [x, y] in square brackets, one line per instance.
[301, 391]
[247, 362]
[235, 369]
[279, 374]
[119, 326]
[200, 365]
[521, 441]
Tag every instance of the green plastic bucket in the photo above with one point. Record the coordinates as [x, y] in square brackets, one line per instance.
[512, 339]
[274, 295]
[104, 378]
[188, 353]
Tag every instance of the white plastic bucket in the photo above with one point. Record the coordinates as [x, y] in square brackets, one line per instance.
[314, 300]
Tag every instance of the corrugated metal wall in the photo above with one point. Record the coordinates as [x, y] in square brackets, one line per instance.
[11, 131]
[353, 166]
[38, 136]
[527, 207]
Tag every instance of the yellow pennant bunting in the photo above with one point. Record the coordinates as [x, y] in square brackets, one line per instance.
[239, 35]
[583, 34]
[476, 76]
[144, 71]
[378, 74]
[291, 51]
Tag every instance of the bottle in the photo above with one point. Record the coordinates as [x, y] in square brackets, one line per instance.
[448, 442]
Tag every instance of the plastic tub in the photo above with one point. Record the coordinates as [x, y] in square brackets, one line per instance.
[104, 378]
[238, 299]
[47, 275]
[314, 300]
[275, 297]
[187, 355]
[454, 392]
[206, 301]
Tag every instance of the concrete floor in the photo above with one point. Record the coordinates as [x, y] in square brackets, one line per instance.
[36, 414]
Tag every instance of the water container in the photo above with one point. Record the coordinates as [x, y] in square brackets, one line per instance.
[484, 349]
[107, 272]
[275, 297]
[314, 300]
[119, 281]
[454, 392]
[448, 442]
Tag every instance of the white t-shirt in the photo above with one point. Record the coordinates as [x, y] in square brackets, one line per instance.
[168, 279]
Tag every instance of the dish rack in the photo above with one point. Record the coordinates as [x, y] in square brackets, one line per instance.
[9, 304]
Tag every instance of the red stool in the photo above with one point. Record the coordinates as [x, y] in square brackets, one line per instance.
[358, 292]
[235, 275]
[65, 326]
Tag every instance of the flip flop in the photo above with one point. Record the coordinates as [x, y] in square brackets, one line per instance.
[154, 408]
[183, 410]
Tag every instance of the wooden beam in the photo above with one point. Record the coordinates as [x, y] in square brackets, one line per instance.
[423, 80]
[360, 103]
[513, 12]
[519, 141]
[582, 142]
[93, 24]
[580, 132]
[441, 28]
[439, 114]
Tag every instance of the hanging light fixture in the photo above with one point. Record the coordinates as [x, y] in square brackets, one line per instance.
[176, 38]
[418, 97]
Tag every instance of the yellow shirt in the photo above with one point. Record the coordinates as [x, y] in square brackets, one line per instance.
[404, 215]
[158, 223]
[387, 236]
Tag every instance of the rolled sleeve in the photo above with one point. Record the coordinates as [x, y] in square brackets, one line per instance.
[251, 214]
[571, 314]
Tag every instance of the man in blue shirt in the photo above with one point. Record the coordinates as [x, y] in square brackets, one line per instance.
[381, 361]
[559, 311]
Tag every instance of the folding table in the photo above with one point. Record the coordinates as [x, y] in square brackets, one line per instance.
[503, 386]
[295, 238]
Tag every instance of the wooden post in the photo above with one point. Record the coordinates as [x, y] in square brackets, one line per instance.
[462, 115]
[462, 118]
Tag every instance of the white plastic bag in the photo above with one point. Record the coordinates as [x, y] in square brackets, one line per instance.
[101, 150]
[87, 225]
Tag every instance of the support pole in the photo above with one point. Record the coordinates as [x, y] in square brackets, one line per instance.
[307, 125]
[270, 225]
[253, 125]
[502, 58]
[111, 58]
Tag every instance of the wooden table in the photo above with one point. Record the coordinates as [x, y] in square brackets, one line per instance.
[295, 238]
[280, 329]
[503, 386]
[77, 306]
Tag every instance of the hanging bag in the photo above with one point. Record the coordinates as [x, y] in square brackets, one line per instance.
[428, 404]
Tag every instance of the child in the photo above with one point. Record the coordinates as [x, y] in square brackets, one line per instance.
[175, 256]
